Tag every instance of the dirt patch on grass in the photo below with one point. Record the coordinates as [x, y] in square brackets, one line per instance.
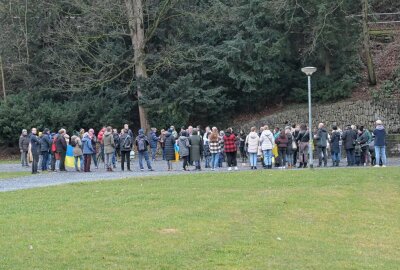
[168, 231]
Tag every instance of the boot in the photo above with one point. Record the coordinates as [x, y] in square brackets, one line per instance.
[305, 165]
[300, 166]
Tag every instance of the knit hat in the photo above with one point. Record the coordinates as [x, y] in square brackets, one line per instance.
[141, 131]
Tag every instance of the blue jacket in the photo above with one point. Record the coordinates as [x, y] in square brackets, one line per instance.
[35, 144]
[380, 136]
[87, 146]
[153, 140]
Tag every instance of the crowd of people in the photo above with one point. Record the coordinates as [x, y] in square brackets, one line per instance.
[285, 148]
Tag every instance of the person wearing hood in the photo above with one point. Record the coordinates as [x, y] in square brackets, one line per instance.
[252, 142]
[88, 151]
[109, 147]
[35, 149]
[230, 149]
[267, 144]
[169, 148]
[24, 147]
[380, 143]
[322, 142]
[184, 145]
[142, 143]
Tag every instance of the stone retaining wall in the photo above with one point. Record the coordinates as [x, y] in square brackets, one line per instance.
[341, 113]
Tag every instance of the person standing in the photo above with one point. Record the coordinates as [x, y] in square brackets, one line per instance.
[363, 139]
[242, 142]
[162, 143]
[196, 148]
[349, 137]
[109, 147]
[215, 148]
[45, 147]
[142, 143]
[322, 139]
[117, 151]
[88, 151]
[267, 144]
[184, 144]
[303, 140]
[230, 149]
[76, 142]
[153, 143]
[380, 143]
[24, 147]
[335, 146]
[252, 142]
[169, 148]
[35, 149]
[126, 148]
[93, 139]
[61, 146]
[282, 143]
[289, 149]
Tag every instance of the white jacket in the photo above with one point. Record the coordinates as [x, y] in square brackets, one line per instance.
[267, 140]
[252, 141]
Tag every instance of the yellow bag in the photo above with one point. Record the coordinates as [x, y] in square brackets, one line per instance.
[176, 157]
[275, 151]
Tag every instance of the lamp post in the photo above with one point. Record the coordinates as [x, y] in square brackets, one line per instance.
[309, 71]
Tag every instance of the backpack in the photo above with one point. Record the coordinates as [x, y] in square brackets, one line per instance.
[141, 144]
[127, 143]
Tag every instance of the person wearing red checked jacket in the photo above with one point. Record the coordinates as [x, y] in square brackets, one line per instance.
[230, 149]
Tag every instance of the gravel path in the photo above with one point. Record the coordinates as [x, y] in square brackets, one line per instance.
[59, 178]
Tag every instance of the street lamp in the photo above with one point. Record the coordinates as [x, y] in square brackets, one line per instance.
[309, 71]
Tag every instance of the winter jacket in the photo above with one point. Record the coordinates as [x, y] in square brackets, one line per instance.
[335, 141]
[282, 141]
[45, 143]
[100, 136]
[141, 136]
[349, 136]
[169, 146]
[304, 136]
[196, 147]
[35, 144]
[153, 140]
[230, 143]
[117, 141]
[24, 143]
[380, 136]
[252, 142]
[267, 140]
[363, 139]
[215, 146]
[206, 149]
[289, 149]
[125, 142]
[108, 141]
[61, 144]
[322, 137]
[87, 146]
[183, 143]
[78, 146]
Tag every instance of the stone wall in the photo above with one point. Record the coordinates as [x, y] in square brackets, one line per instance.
[341, 113]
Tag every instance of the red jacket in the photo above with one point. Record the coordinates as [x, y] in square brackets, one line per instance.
[100, 135]
[229, 143]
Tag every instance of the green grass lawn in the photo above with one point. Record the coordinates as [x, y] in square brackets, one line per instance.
[7, 175]
[321, 219]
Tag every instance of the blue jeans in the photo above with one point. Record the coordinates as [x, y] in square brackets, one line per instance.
[45, 158]
[80, 161]
[207, 161]
[335, 156]
[153, 153]
[267, 157]
[214, 160]
[163, 153]
[114, 158]
[145, 155]
[253, 159]
[380, 153]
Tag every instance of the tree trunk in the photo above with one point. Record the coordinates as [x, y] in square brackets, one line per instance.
[366, 38]
[135, 17]
[3, 82]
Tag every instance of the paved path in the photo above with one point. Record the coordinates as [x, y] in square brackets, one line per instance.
[59, 178]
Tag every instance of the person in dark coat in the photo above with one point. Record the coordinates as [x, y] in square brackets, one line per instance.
[349, 137]
[322, 143]
[380, 143]
[61, 148]
[24, 147]
[196, 148]
[126, 147]
[282, 142]
[169, 148]
[335, 146]
[363, 140]
[88, 151]
[230, 149]
[153, 143]
[184, 145]
[142, 143]
[35, 149]
[45, 147]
